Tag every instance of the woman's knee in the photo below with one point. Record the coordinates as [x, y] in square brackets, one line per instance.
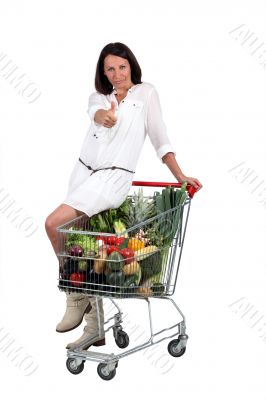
[50, 224]
[59, 216]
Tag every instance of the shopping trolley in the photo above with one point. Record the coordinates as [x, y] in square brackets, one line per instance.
[141, 261]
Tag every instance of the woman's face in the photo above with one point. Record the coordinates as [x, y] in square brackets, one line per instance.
[118, 72]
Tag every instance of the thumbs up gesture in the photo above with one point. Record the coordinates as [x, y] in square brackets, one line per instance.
[109, 119]
[106, 118]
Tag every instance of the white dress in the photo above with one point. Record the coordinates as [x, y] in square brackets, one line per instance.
[138, 114]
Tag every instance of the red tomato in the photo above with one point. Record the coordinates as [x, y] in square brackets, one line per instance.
[77, 278]
[119, 240]
[111, 240]
[128, 254]
[103, 238]
[112, 248]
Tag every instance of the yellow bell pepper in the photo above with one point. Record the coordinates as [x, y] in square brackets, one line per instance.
[135, 244]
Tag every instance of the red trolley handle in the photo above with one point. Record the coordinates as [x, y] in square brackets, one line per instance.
[190, 189]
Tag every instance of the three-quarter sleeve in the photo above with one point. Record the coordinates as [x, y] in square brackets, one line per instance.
[95, 103]
[156, 128]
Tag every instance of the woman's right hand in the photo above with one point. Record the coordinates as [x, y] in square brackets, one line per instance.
[106, 118]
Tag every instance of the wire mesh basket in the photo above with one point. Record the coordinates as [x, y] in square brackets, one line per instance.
[140, 261]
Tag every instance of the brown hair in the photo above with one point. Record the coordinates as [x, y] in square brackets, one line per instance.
[102, 84]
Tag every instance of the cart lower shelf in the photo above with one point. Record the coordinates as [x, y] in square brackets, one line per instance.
[108, 363]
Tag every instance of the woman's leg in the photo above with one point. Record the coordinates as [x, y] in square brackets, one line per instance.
[59, 216]
[77, 304]
[93, 332]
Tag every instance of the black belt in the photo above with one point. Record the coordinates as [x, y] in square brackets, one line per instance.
[99, 169]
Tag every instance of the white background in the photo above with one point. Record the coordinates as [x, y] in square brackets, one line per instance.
[212, 92]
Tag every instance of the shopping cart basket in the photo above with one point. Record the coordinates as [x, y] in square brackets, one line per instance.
[140, 261]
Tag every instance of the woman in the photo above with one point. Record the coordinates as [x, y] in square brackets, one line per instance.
[123, 110]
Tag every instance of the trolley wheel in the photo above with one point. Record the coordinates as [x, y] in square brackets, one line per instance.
[122, 339]
[104, 373]
[172, 348]
[71, 366]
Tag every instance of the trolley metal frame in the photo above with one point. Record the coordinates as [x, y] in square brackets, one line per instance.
[108, 363]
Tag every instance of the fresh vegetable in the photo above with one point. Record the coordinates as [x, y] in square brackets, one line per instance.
[128, 254]
[149, 281]
[171, 201]
[115, 261]
[151, 265]
[131, 285]
[69, 266]
[103, 238]
[122, 244]
[158, 289]
[153, 234]
[132, 268]
[170, 198]
[116, 278]
[135, 244]
[119, 227]
[87, 243]
[107, 270]
[119, 240]
[76, 251]
[103, 221]
[99, 263]
[82, 265]
[77, 278]
[106, 221]
[145, 252]
[91, 253]
[138, 260]
[138, 276]
[112, 248]
[131, 279]
[95, 282]
[111, 240]
[145, 291]
[141, 235]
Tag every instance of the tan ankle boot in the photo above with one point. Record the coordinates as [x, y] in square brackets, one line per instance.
[94, 330]
[77, 304]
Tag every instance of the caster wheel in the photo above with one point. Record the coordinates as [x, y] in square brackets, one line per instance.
[73, 368]
[172, 348]
[104, 373]
[122, 339]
